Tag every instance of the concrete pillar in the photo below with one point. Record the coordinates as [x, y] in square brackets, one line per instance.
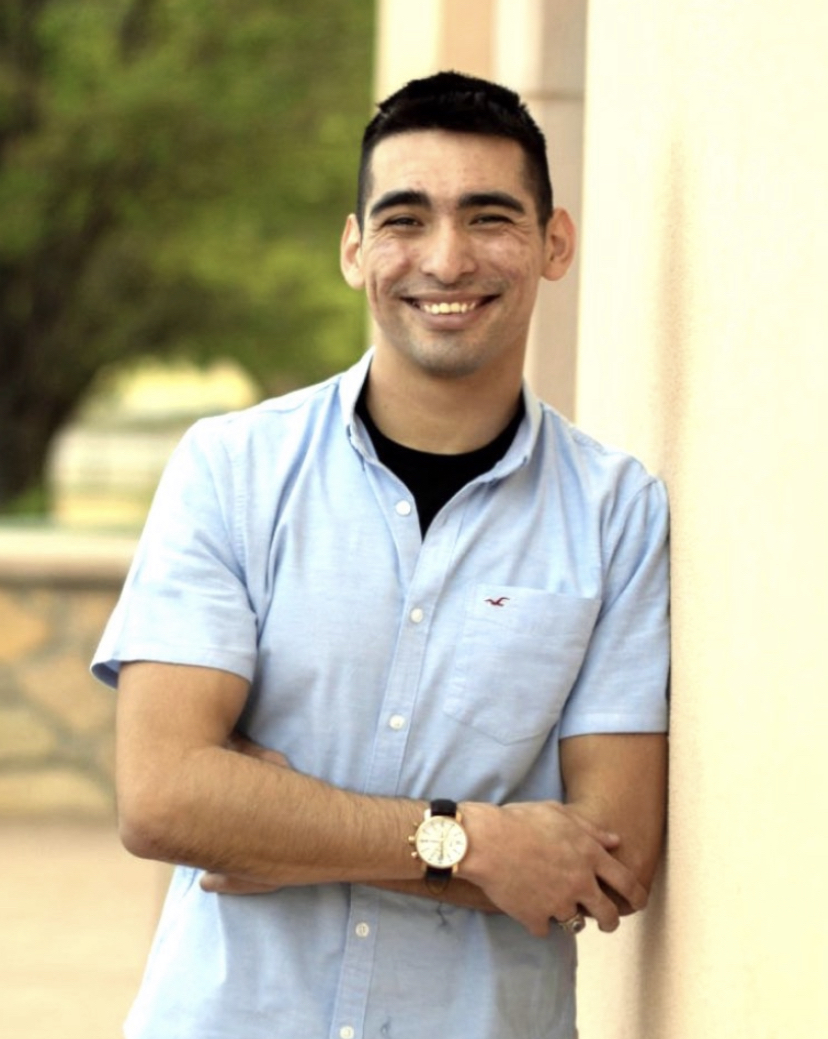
[417, 40]
[539, 51]
[408, 43]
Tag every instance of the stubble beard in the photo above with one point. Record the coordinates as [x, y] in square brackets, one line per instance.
[447, 356]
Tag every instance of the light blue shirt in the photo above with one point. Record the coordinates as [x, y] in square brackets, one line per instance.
[535, 608]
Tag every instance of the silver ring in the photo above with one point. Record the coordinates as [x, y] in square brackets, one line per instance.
[575, 924]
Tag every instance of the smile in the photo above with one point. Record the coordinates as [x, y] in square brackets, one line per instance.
[445, 307]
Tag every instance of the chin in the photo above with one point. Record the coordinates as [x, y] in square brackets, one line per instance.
[450, 367]
[448, 360]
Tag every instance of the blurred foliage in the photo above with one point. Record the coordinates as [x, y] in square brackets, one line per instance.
[174, 175]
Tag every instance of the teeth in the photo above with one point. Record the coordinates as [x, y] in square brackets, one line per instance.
[448, 308]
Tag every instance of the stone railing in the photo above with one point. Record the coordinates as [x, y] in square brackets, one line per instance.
[56, 722]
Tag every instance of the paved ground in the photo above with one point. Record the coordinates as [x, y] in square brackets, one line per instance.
[76, 917]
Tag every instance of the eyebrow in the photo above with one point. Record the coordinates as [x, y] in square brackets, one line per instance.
[472, 200]
[391, 199]
[499, 199]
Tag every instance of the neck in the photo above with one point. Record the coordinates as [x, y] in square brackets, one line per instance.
[440, 415]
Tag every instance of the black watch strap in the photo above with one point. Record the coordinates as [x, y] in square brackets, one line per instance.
[442, 806]
[436, 878]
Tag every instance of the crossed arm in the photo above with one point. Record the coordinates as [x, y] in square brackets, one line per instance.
[188, 794]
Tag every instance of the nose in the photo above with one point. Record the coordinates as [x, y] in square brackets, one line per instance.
[447, 253]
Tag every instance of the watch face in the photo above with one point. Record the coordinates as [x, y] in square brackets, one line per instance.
[441, 842]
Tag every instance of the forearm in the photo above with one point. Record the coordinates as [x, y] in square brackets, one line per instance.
[224, 812]
[458, 892]
[625, 853]
[634, 808]
[184, 796]
[521, 875]
[637, 853]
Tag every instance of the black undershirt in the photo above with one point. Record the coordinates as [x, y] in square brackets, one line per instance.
[434, 479]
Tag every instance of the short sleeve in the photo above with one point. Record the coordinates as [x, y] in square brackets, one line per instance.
[622, 684]
[185, 599]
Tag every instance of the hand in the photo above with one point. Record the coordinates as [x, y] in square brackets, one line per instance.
[224, 883]
[543, 861]
[242, 745]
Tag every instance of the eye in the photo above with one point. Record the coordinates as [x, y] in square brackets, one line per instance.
[492, 218]
[401, 221]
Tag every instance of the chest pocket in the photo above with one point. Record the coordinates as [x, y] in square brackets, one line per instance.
[519, 654]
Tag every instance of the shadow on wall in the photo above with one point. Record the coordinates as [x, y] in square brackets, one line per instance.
[669, 428]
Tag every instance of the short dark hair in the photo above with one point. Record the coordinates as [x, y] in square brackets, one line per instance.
[460, 104]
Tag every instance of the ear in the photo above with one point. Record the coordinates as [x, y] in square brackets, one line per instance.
[560, 238]
[350, 254]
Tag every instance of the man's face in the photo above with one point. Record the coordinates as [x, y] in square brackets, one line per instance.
[452, 252]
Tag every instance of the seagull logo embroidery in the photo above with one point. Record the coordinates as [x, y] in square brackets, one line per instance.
[498, 602]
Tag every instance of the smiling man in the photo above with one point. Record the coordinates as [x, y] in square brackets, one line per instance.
[391, 658]
[450, 250]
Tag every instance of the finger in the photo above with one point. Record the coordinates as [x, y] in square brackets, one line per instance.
[601, 908]
[242, 745]
[539, 926]
[623, 882]
[226, 884]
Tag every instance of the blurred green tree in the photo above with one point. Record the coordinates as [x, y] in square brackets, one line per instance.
[174, 175]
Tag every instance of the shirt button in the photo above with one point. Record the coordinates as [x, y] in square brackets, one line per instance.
[362, 930]
[416, 615]
[403, 508]
[346, 1033]
[396, 721]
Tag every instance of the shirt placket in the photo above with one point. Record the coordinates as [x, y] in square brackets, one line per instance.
[422, 566]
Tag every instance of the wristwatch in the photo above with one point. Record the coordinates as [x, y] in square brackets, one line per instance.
[440, 843]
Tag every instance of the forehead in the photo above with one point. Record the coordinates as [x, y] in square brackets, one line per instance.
[447, 165]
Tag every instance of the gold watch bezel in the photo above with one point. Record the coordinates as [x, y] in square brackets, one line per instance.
[431, 822]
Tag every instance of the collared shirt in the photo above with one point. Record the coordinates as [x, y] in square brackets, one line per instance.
[535, 608]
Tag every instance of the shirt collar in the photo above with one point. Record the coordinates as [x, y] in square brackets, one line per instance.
[350, 387]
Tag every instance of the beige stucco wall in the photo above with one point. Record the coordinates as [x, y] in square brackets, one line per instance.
[704, 348]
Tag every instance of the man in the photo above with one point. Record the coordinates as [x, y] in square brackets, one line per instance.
[411, 591]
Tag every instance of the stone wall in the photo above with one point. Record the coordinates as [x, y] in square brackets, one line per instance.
[56, 722]
[59, 584]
